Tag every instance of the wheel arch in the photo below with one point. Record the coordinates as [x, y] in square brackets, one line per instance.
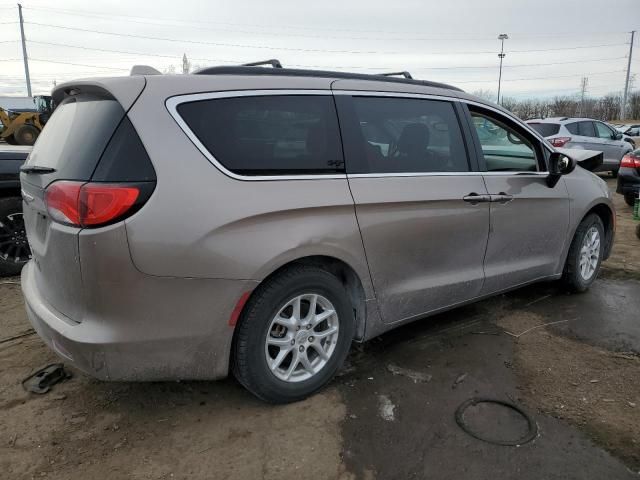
[344, 272]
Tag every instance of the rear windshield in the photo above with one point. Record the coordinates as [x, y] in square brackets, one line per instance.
[74, 137]
[546, 129]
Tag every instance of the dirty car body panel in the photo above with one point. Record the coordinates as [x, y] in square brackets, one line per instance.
[156, 293]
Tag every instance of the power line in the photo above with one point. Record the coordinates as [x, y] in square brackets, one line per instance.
[457, 35]
[127, 52]
[281, 34]
[322, 66]
[526, 65]
[78, 64]
[199, 25]
[550, 77]
[218, 44]
[567, 48]
[238, 61]
[301, 49]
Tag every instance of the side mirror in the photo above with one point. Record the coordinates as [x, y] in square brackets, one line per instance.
[559, 164]
[617, 136]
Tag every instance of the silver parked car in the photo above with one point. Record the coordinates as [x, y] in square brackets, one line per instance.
[585, 133]
[259, 220]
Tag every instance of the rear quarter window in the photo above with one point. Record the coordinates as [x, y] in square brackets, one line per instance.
[572, 127]
[268, 135]
[546, 129]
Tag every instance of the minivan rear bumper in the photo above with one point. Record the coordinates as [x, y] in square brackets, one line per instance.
[142, 349]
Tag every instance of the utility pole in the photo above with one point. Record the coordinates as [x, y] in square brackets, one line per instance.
[502, 37]
[623, 107]
[583, 91]
[24, 52]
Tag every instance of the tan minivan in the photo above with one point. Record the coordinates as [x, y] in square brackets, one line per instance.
[258, 220]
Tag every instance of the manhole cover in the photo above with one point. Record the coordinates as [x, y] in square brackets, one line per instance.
[496, 421]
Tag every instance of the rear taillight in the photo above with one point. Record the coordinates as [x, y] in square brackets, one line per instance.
[630, 161]
[560, 141]
[83, 204]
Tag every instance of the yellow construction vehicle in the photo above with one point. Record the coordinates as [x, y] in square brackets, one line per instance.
[23, 127]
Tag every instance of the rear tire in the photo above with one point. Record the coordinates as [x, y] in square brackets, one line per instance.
[26, 134]
[14, 249]
[585, 256]
[614, 173]
[630, 200]
[265, 350]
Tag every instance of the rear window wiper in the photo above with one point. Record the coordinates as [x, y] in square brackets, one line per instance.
[36, 169]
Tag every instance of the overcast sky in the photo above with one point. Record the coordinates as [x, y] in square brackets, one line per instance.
[445, 40]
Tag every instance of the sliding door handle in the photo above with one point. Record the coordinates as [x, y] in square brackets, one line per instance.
[474, 198]
[501, 198]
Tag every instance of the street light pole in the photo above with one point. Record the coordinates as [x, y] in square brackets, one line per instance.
[502, 37]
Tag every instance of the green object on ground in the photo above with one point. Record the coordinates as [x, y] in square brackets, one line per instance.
[636, 210]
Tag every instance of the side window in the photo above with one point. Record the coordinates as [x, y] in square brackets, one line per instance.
[405, 135]
[503, 148]
[573, 128]
[603, 131]
[586, 129]
[269, 135]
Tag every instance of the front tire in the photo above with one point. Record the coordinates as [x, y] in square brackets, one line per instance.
[585, 255]
[293, 335]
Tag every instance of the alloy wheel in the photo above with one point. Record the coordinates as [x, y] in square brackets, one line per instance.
[302, 337]
[13, 239]
[589, 253]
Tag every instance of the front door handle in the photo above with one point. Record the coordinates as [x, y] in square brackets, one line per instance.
[501, 198]
[474, 198]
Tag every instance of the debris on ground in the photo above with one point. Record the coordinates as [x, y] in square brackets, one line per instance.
[41, 381]
[411, 374]
[387, 408]
[459, 380]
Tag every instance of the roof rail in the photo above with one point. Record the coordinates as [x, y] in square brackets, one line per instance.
[144, 70]
[404, 74]
[274, 62]
[292, 72]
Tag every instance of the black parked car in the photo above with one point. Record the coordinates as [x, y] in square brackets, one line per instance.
[14, 249]
[629, 177]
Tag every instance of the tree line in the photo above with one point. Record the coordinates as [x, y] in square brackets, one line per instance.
[605, 108]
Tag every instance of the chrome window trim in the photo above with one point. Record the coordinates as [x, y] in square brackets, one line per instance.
[172, 104]
[447, 174]
[375, 93]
